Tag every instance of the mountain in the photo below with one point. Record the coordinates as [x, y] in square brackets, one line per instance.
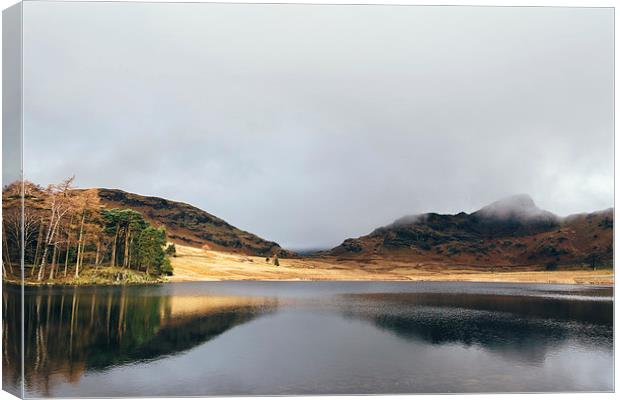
[511, 231]
[190, 225]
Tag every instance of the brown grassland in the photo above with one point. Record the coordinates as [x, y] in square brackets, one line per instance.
[196, 264]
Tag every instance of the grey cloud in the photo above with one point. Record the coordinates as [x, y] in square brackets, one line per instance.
[309, 124]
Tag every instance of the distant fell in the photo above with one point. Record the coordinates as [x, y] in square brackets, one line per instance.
[190, 225]
[510, 231]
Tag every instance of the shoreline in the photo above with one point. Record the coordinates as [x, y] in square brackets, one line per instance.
[11, 282]
[600, 284]
[16, 284]
[69, 284]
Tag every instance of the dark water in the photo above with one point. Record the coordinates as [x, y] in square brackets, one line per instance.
[238, 338]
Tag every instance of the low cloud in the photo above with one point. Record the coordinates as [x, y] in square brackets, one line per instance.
[310, 124]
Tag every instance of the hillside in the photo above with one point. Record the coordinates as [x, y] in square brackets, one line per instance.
[512, 231]
[104, 236]
[190, 225]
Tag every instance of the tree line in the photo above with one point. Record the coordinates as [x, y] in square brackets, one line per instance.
[66, 230]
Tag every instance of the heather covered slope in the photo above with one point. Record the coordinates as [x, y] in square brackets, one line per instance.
[101, 232]
[93, 236]
[512, 231]
[190, 225]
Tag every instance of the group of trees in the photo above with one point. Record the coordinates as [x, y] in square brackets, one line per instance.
[135, 243]
[65, 229]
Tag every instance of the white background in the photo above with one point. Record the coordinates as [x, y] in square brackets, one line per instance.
[575, 3]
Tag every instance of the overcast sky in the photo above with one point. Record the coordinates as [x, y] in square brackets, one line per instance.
[310, 124]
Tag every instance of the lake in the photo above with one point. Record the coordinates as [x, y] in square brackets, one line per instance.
[278, 338]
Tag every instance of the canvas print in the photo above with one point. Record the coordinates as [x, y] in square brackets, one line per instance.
[284, 199]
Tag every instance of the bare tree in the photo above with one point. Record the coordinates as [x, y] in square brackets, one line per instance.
[86, 200]
[6, 252]
[68, 246]
[59, 203]
[80, 244]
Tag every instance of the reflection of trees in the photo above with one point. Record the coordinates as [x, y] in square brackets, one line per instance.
[11, 340]
[519, 327]
[172, 338]
[68, 331]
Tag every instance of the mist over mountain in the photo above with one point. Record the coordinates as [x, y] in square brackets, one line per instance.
[337, 122]
[510, 231]
[519, 207]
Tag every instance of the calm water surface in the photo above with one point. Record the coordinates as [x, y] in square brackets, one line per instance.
[263, 338]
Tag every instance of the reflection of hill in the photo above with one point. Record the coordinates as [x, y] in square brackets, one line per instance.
[598, 312]
[185, 331]
[517, 327]
[69, 331]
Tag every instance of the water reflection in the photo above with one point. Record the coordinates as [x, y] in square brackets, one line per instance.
[11, 340]
[594, 311]
[317, 338]
[518, 327]
[72, 330]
